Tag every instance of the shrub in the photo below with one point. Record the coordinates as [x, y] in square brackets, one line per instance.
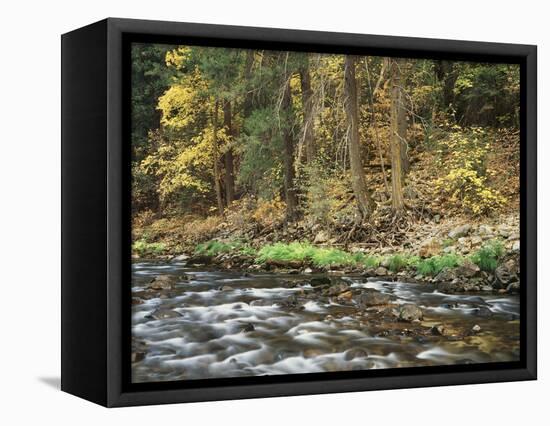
[487, 257]
[326, 196]
[463, 156]
[143, 248]
[269, 212]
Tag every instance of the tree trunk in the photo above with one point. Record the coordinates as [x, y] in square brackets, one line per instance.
[402, 124]
[216, 154]
[307, 103]
[446, 73]
[288, 155]
[248, 97]
[396, 140]
[228, 157]
[362, 195]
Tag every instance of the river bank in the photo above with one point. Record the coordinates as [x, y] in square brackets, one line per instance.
[454, 256]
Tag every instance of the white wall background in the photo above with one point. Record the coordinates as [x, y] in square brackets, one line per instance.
[30, 211]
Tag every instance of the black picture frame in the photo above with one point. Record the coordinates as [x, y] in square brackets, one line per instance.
[96, 208]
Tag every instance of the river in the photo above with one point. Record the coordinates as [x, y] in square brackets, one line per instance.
[216, 323]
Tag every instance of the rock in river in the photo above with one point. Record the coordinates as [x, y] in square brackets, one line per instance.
[355, 353]
[338, 288]
[373, 298]
[319, 281]
[410, 313]
[163, 282]
[163, 313]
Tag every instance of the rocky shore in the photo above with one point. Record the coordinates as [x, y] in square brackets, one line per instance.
[429, 240]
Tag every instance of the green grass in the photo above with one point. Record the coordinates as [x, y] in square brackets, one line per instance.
[435, 264]
[285, 252]
[397, 262]
[317, 256]
[488, 256]
[332, 257]
[367, 261]
[213, 248]
[143, 248]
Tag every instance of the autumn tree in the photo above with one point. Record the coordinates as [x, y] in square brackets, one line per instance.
[216, 159]
[396, 138]
[307, 107]
[288, 150]
[362, 195]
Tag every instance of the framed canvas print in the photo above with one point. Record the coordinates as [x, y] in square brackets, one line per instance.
[253, 212]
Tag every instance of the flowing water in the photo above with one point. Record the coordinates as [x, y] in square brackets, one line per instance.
[228, 324]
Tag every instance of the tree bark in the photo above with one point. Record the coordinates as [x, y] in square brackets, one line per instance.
[396, 141]
[216, 154]
[248, 97]
[402, 124]
[228, 157]
[288, 155]
[446, 73]
[307, 104]
[362, 195]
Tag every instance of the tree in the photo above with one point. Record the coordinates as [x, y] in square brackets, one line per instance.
[288, 152]
[402, 120]
[362, 195]
[307, 105]
[228, 156]
[216, 159]
[397, 118]
[149, 80]
[447, 74]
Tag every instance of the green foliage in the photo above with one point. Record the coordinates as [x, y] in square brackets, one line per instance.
[193, 105]
[326, 196]
[214, 247]
[435, 264]
[317, 256]
[367, 261]
[487, 94]
[487, 257]
[286, 252]
[331, 257]
[143, 248]
[261, 167]
[397, 262]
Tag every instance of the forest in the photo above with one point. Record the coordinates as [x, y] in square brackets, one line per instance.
[299, 212]
[323, 160]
